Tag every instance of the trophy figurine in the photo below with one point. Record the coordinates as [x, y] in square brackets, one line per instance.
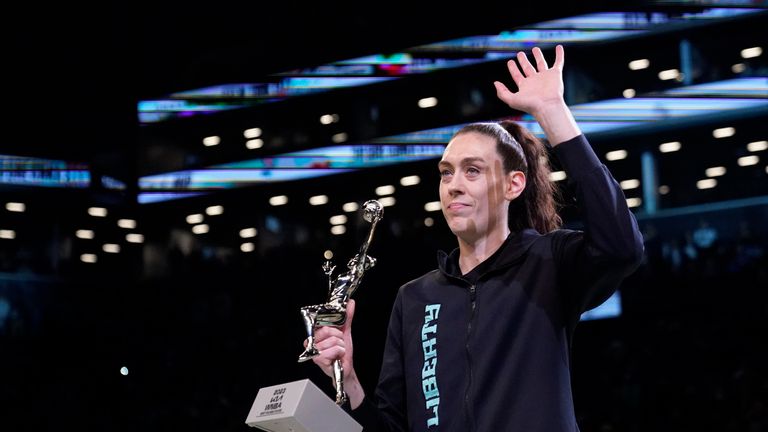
[334, 311]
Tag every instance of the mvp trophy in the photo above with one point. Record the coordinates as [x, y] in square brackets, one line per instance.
[300, 406]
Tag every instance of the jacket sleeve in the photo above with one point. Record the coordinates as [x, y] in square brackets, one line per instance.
[593, 262]
[386, 411]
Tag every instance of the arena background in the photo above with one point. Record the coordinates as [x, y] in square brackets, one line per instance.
[170, 174]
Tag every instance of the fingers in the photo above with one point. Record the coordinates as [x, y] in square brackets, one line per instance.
[541, 63]
[329, 342]
[525, 65]
[559, 57]
[327, 332]
[517, 76]
[526, 70]
[331, 348]
[350, 315]
[501, 89]
[503, 93]
[329, 355]
[329, 345]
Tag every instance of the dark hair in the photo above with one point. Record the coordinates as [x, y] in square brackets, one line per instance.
[520, 150]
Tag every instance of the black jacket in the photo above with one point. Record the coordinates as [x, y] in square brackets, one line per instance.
[495, 355]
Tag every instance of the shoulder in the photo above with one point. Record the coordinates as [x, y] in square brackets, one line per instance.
[426, 280]
[556, 241]
[416, 289]
[558, 235]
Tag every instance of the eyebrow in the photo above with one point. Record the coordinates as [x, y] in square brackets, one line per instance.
[463, 162]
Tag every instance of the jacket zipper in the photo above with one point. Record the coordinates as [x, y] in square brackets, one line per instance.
[467, 404]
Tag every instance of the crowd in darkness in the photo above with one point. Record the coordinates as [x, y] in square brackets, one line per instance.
[688, 351]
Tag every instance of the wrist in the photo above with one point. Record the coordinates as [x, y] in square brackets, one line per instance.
[354, 390]
[557, 122]
[549, 107]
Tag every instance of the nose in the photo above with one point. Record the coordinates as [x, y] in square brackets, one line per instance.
[455, 186]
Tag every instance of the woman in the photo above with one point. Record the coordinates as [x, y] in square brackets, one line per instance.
[482, 343]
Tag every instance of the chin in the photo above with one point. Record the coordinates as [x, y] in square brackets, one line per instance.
[461, 230]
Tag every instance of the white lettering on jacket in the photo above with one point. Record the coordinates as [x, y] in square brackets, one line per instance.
[428, 377]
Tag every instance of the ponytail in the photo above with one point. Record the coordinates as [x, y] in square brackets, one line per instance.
[536, 207]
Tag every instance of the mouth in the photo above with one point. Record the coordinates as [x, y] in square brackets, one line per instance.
[457, 206]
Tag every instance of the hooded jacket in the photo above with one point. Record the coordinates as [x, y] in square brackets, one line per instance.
[494, 355]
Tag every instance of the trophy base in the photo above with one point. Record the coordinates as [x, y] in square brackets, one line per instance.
[298, 406]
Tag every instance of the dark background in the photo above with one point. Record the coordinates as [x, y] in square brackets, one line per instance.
[202, 326]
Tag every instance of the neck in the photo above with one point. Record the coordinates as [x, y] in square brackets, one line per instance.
[473, 252]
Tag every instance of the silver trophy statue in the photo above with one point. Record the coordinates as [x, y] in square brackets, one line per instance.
[334, 311]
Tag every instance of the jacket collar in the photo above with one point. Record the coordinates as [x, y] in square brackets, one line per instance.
[517, 245]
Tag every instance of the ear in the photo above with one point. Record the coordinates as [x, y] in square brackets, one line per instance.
[514, 185]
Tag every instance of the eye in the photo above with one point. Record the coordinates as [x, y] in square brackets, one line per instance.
[445, 173]
[472, 171]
